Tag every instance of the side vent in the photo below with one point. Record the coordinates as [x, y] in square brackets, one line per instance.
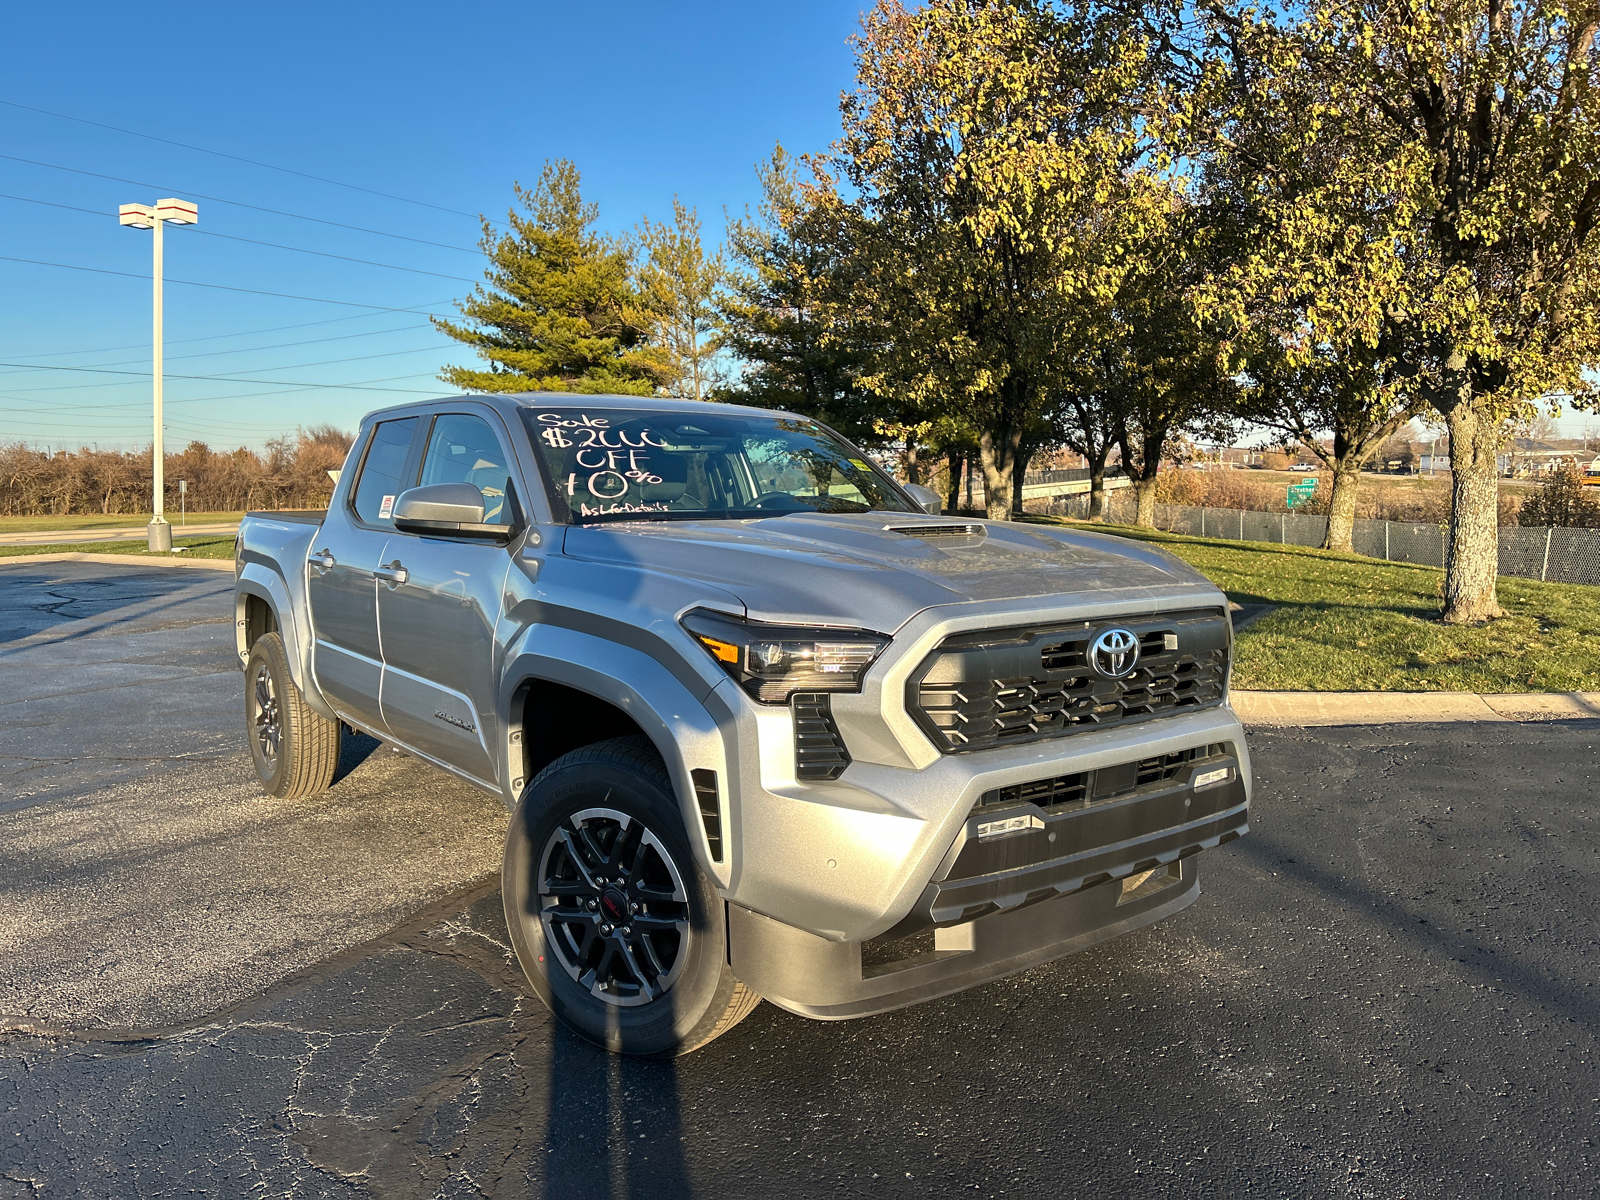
[819, 751]
[705, 795]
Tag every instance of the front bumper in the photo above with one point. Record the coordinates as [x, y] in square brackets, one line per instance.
[852, 858]
[834, 981]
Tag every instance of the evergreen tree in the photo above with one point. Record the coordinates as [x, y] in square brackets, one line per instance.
[782, 256]
[680, 288]
[558, 313]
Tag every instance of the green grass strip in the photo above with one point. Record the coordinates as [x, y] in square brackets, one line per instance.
[209, 546]
[1345, 623]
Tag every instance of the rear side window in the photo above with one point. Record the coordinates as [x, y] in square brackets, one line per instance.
[382, 470]
[463, 449]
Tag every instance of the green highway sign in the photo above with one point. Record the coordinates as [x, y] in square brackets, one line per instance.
[1300, 492]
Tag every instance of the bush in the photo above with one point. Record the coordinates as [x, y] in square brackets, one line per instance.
[1562, 500]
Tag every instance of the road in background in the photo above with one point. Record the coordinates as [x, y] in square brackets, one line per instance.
[1388, 988]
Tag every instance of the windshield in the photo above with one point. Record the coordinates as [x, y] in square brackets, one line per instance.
[619, 464]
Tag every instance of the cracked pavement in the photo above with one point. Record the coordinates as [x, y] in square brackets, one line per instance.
[1387, 990]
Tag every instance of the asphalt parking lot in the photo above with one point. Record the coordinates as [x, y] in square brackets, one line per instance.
[1387, 990]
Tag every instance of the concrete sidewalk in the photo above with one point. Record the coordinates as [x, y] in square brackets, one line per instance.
[131, 533]
[1409, 708]
[143, 559]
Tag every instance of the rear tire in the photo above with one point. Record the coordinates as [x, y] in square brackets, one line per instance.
[295, 749]
[618, 932]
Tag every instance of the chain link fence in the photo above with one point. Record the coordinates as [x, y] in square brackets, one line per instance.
[1558, 555]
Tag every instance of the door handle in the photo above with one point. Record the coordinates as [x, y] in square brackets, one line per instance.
[394, 574]
[324, 560]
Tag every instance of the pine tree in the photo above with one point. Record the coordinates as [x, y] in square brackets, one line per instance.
[558, 313]
[680, 289]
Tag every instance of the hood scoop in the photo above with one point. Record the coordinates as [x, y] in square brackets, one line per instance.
[963, 534]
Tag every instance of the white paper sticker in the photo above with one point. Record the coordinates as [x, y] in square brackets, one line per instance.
[386, 508]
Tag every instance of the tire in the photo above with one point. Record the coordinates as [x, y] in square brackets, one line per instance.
[294, 748]
[653, 979]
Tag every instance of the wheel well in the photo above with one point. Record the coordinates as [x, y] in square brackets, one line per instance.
[259, 620]
[557, 719]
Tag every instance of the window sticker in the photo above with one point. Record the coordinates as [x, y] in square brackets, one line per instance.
[386, 509]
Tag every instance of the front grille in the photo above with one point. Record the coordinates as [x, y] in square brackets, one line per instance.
[1083, 788]
[819, 751]
[999, 687]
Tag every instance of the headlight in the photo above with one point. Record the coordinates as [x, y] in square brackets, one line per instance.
[772, 662]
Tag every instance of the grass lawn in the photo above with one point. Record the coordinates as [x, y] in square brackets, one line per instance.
[114, 521]
[1350, 624]
[209, 546]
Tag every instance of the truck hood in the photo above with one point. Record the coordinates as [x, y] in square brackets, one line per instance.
[862, 571]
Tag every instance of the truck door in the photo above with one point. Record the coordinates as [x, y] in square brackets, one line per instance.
[346, 656]
[439, 600]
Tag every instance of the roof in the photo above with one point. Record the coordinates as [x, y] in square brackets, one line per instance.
[572, 400]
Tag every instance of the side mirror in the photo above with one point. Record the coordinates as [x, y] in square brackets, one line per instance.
[445, 508]
[926, 497]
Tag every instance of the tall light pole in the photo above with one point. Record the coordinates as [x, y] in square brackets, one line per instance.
[154, 216]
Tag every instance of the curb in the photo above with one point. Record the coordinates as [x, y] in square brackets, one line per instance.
[1304, 709]
[130, 560]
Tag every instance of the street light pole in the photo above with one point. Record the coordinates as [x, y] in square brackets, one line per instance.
[154, 217]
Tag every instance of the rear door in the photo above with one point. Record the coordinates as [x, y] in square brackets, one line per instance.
[347, 658]
[439, 603]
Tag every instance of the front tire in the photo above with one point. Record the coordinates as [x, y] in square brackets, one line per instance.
[295, 749]
[616, 929]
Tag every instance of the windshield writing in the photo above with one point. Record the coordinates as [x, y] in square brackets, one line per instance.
[621, 464]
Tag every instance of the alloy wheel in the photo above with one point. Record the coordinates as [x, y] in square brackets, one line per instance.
[613, 906]
[267, 721]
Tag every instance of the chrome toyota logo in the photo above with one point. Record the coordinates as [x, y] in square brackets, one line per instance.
[1114, 653]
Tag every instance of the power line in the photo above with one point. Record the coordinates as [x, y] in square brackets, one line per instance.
[221, 287]
[342, 337]
[237, 158]
[232, 237]
[239, 204]
[225, 374]
[227, 379]
[213, 337]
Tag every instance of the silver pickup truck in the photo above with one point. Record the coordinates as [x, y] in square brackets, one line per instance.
[768, 725]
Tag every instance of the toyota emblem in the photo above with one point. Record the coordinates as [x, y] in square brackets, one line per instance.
[1114, 652]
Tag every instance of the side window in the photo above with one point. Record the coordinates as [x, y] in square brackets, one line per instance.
[381, 471]
[463, 449]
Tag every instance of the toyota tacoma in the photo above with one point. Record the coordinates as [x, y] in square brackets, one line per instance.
[768, 725]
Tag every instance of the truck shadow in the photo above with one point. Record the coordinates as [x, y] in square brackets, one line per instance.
[613, 1125]
[354, 749]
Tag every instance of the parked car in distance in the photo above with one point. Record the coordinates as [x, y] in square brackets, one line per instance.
[767, 725]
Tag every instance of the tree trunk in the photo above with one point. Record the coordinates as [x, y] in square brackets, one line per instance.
[1342, 509]
[1019, 475]
[953, 499]
[997, 450]
[1097, 483]
[1097, 493]
[968, 460]
[1145, 491]
[913, 465]
[1473, 558]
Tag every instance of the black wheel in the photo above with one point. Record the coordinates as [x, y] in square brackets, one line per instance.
[295, 749]
[616, 929]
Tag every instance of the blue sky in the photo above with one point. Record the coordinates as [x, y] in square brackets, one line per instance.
[439, 104]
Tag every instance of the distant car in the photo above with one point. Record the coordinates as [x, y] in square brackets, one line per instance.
[1303, 467]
